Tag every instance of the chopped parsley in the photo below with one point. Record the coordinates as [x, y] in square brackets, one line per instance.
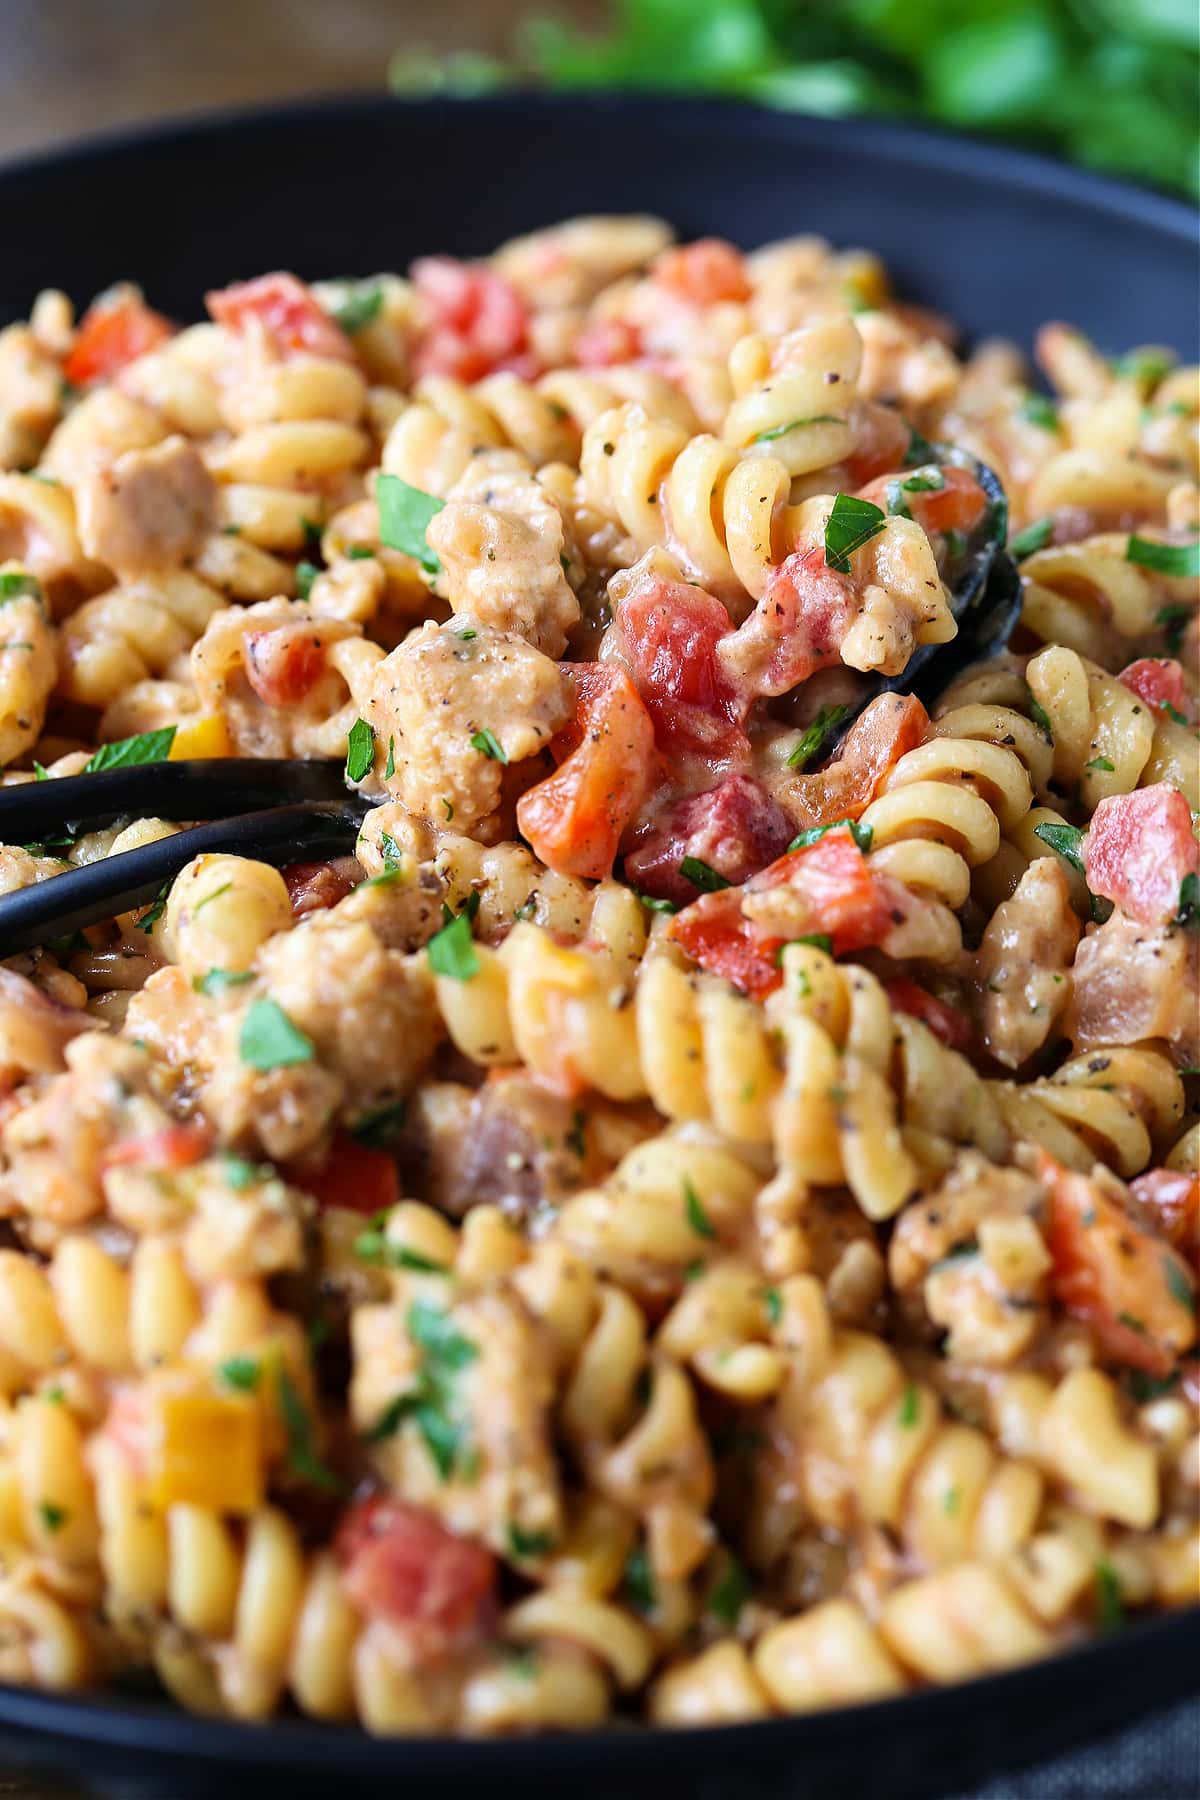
[819, 940]
[781, 431]
[306, 574]
[951, 1501]
[217, 980]
[773, 1305]
[637, 1578]
[241, 1372]
[1040, 411]
[53, 1517]
[910, 1406]
[488, 744]
[129, 753]
[301, 1451]
[1188, 916]
[377, 1129]
[156, 909]
[926, 480]
[1110, 1611]
[730, 1594]
[1065, 841]
[1102, 763]
[269, 1040]
[920, 450]
[1173, 713]
[241, 1173]
[702, 875]
[697, 1218]
[653, 904]
[404, 516]
[15, 584]
[360, 751]
[389, 768]
[431, 1404]
[1174, 619]
[522, 1545]
[312, 529]
[393, 858]
[451, 950]
[862, 834]
[576, 1140]
[1041, 719]
[851, 524]
[1178, 1285]
[826, 722]
[1034, 537]
[363, 302]
[1164, 559]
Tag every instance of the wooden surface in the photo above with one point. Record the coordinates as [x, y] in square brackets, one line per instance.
[68, 67]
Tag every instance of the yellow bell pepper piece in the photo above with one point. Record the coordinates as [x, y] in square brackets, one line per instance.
[205, 1450]
[203, 734]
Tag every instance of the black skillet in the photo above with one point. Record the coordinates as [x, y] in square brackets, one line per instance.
[998, 239]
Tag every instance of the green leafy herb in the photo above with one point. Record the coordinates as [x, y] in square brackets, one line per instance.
[362, 304]
[39, 773]
[1034, 537]
[522, 1545]
[910, 1406]
[129, 753]
[241, 1173]
[773, 1304]
[446, 1354]
[1143, 1388]
[231, 531]
[1065, 841]
[1110, 1611]
[652, 904]
[53, 1517]
[1102, 763]
[313, 531]
[851, 524]
[697, 1218]
[390, 766]
[241, 1372]
[576, 1138]
[638, 1581]
[1164, 559]
[1188, 916]
[1132, 1323]
[16, 583]
[452, 952]
[951, 1501]
[218, 980]
[730, 1594]
[488, 744]
[404, 516]
[1173, 713]
[360, 751]
[1041, 719]
[360, 552]
[269, 1040]
[156, 909]
[1040, 411]
[819, 940]
[862, 834]
[378, 1128]
[226, 887]
[301, 1452]
[306, 574]
[1178, 1285]
[825, 723]
[927, 480]
[1146, 366]
[701, 875]
[920, 450]
[1174, 620]
[781, 431]
[393, 859]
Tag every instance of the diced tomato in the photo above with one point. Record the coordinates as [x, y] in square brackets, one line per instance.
[1170, 1198]
[796, 628]
[840, 897]
[288, 311]
[574, 819]
[315, 886]
[1129, 1284]
[174, 1147]
[110, 336]
[885, 731]
[479, 322]
[669, 633]
[1138, 850]
[881, 440]
[351, 1176]
[402, 1568]
[605, 342]
[949, 1023]
[704, 272]
[957, 506]
[284, 664]
[1158, 680]
[736, 828]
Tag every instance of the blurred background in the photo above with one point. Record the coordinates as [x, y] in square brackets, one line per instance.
[1114, 84]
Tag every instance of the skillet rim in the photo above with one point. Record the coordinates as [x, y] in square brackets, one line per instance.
[164, 1729]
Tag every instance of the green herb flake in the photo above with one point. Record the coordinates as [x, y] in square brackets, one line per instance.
[1101, 763]
[697, 1218]
[851, 524]
[301, 1453]
[241, 1372]
[818, 940]
[156, 909]
[360, 553]
[1173, 713]
[910, 1406]
[863, 835]
[404, 516]
[241, 1173]
[1164, 559]
[1188, 916]
[638, 1581]
[951, 1501]
[130, 753]
[226, 887]
[1178, 1285]
[1110, 1611]
[17, 584]
[1041, 719]
[576, 1140]
[701, 875]
[523, 1546]
[451, 950]
[360, 751]
[377, 1129]
[825, 723]
[313, 530]
[773, 1305]
[927, 480]
[730, 1594]
[781, 431]
[1143, 1388]
[40, 773]
[1065, 841]
[1174, 620]
[53, 1517]
[217, 981]
[489, 745]
[389, 768]
[920, 450]
[652, 904]
[306, 574]
[1034, 537]
[268, 1039]
[362, 304]
[1038, 410]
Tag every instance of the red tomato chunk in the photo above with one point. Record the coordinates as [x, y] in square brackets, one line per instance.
[604, 342]
[669, 632]
[796, 628]
[477, 321]
[110, 336]
[351, 1176]
[949, 1023]
[174, 1147]
[704, 272]
[956, 506]
[1158, 680]
[283, 665]
[292, 318]
[888, 729]
[737, 829]
[1138, 850]
[402, 1568]
[575, 818]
